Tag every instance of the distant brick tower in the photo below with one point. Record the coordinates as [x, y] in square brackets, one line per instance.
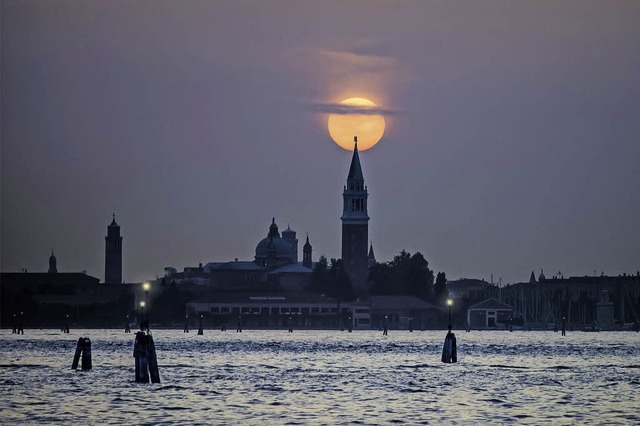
[53, 264]
[113, 254]
[355, 226]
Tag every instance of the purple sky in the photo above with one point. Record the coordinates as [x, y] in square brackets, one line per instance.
[514, 142]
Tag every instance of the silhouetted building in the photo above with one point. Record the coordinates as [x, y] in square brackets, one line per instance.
[275, 267]
[113, 254]
[578, 299]
[53, 267]
[490, 313]
[355, 225]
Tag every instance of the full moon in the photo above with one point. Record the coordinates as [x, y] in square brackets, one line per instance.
[369, 128]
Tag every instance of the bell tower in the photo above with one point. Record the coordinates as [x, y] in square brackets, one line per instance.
[355, 225]
[306, 254]
[113, 254]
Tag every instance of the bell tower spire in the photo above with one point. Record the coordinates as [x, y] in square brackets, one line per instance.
[355, 225]
[113, 254]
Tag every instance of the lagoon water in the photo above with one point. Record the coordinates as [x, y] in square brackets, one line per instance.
[324, 377]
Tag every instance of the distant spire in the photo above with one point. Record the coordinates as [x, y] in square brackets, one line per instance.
[113, 222]
[532, 278]
[371, 255]
[355, 171]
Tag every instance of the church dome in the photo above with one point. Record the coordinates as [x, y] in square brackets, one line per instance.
[282, 248]
[274, 246]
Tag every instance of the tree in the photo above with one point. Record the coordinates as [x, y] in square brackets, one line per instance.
[440, 288]
[341, 285]
[331, 281]
[379, 277]
[404, 275]
[319, 277]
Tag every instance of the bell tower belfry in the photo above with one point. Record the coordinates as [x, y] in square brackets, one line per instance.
[355, 225]
[113, 254]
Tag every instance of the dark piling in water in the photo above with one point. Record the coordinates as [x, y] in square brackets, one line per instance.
[239, 328]
[186, 324]
[290, 325]
[146, 364]
[76, 356]
[83, 349]
[449, 350]
[200, 329]
[86, 354]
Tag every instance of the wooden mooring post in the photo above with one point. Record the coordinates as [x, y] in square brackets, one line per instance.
[146, 363]
[449, 349]
[83, 349]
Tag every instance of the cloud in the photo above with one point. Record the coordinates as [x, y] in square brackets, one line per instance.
[336, 108]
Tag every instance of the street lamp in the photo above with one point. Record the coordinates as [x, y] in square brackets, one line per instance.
[449, 303]
[146, 287]
[142, 315]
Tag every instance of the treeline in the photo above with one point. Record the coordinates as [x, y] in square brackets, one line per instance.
[406, 274]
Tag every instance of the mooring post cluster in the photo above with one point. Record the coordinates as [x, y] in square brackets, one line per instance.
[144, 352]
[18, 324]
[83, 349]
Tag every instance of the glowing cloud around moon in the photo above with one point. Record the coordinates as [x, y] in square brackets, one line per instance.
[369, 127]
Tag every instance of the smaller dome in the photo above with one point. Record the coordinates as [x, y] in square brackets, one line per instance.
[289, 233]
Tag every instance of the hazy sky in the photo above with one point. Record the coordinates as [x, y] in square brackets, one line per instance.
[513, 145]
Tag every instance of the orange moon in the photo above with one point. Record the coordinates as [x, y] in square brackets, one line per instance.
[369, 128]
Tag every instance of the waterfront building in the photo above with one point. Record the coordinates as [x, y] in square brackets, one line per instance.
[490, 313]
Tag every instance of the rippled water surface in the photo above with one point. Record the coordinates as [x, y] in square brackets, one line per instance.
[324, 377]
